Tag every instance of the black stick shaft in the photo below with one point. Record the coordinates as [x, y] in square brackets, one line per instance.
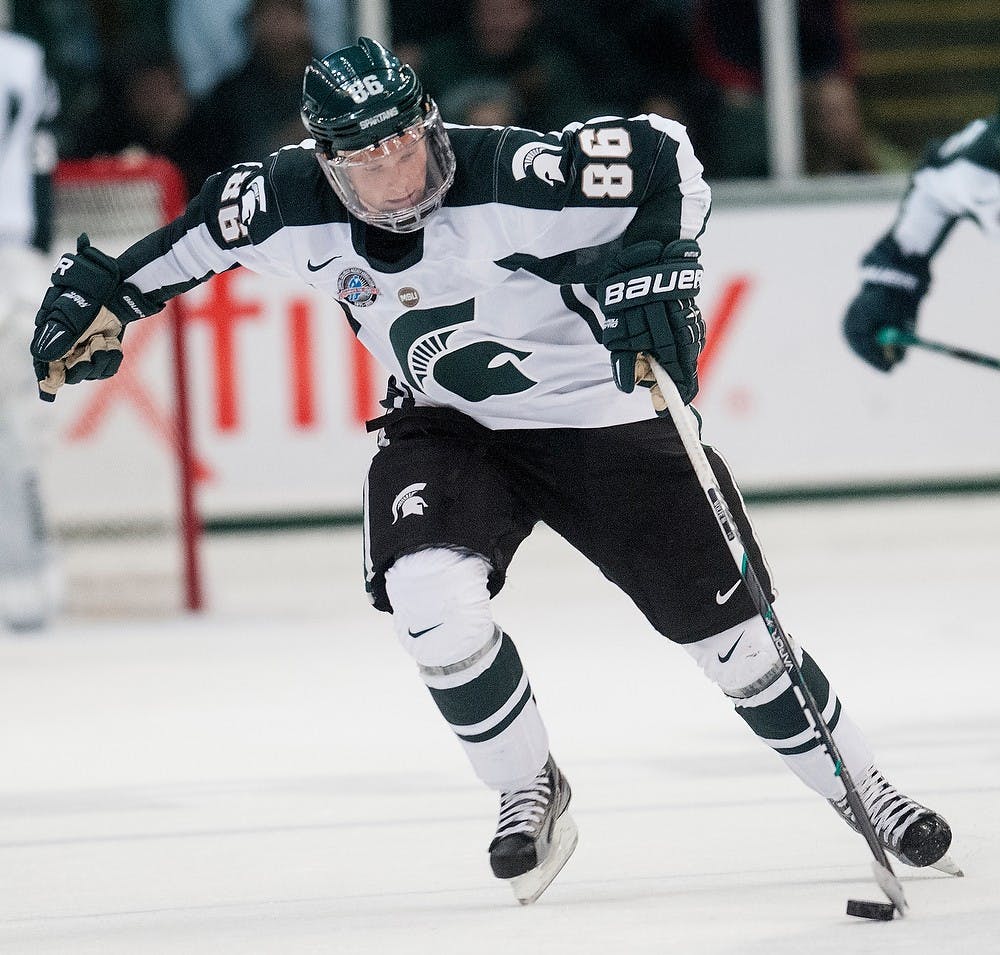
[706, 477]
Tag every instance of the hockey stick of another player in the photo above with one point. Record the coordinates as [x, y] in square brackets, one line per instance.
[683, 421]
[902, 339]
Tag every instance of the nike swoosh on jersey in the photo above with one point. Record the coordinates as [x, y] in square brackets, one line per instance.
[420, 633]
[721, 598]
[322, 265]
[725, 659]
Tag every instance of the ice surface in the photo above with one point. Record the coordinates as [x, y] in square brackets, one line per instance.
[272, 777]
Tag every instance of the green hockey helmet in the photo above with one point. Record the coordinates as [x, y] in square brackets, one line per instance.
[379, 137]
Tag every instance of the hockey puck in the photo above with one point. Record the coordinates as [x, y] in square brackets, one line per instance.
[880, 911]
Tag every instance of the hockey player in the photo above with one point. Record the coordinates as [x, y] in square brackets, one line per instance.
[475, 263]
[27, 572]
[958, 179]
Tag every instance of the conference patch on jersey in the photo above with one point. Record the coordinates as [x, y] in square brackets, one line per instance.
[542, 159]
[356, 287]
[408, 296]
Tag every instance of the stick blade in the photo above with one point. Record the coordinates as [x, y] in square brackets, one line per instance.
[891, 886]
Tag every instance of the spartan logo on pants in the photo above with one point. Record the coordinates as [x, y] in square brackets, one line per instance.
[408, 501]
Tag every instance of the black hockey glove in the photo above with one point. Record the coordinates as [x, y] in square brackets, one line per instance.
[79, 328]
[649, 307]
[893, 285]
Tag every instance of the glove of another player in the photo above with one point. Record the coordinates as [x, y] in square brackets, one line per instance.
[893, 285]
[648, 306]
[79, 327]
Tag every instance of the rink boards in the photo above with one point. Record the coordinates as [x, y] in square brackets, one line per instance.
[280, 389]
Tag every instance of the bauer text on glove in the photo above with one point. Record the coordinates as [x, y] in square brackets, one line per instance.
[649, 306]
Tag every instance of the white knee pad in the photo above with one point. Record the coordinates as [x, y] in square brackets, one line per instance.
[441, 612]
[741, 660]
[745, 664]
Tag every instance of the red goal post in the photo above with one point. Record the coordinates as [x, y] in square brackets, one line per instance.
[117, 200]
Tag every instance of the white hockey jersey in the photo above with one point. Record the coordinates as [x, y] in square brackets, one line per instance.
[27, 102]
[960, 179]
[489, 309]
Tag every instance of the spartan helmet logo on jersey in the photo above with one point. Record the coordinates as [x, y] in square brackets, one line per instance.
[408, 501]
[379, 137]
[542, 159]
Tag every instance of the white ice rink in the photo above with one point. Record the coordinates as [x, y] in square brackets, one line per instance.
[272, 778]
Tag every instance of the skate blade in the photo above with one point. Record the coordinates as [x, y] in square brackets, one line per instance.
[944, 864]
[528, 887]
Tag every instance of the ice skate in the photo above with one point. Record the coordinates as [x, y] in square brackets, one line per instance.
[29, 601]
[914, 834]
[535, 834]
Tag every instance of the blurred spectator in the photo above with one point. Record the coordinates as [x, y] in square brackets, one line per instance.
[644, 62]
[416, 23]
[144, 105]
[67, 31]
[504, 40]
[728, 46]
[256, 110]
[117, 19]
[482, 102]
[211, 37]
[81, 38]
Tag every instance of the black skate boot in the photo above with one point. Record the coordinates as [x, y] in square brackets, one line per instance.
[914, 834]
[535, 834]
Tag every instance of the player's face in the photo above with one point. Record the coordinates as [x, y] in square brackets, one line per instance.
[398, 182]
[391, 177]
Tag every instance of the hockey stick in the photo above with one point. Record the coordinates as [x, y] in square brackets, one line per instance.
[899, 338]
[682, 418]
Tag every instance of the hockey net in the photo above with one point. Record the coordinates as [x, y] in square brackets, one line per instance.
[120, 480]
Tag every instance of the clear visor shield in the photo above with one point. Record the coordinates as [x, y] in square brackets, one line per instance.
[396, 183]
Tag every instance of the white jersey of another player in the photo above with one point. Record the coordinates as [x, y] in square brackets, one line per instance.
[959, 179]
[27, 103]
